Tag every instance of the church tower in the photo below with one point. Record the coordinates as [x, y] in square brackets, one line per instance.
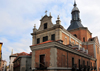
[76, 28]
[76, 21]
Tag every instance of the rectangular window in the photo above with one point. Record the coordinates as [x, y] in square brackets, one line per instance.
[83, 63]
[63, 61]
[91, 64]
[42, 60]
[72, 62]
[87, 63]
[98, 50]
[45, 38]
[38, 40]
[79, 63]
[45, 26]
[53, 37]
[83, 39]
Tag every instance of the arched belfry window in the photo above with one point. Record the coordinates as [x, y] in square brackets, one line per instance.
[75, 35]
[83, 39]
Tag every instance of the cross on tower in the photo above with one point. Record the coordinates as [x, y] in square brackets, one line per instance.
[46, 12]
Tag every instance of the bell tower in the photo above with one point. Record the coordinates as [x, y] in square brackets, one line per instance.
[76, 21]
[76, 28]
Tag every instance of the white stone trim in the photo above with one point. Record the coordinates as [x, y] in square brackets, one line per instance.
[61, 46]
[94, 50]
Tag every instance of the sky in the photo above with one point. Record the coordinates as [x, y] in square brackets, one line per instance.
[17, 18]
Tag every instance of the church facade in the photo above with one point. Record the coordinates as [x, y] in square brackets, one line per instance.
[57, 49]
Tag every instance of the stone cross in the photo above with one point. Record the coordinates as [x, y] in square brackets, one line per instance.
[46, 12]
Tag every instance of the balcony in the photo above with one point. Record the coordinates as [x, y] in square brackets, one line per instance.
[17, 66]
[74, 67]
[88, 68]
[85, 68]
[94, 68]
[41, 66]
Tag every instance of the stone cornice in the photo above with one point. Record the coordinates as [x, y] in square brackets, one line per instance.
[49, 29]
[85, 28]
[13, 56]
[21, 57]
[89, 43]
[60, 46]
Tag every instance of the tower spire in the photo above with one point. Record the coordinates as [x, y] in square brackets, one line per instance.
[75, 3]
[76, 21]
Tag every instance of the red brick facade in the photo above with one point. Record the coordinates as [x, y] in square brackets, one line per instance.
[55, 48]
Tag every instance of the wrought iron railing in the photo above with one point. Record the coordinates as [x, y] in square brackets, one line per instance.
[94, 68]
[42, 65]
[74, 67]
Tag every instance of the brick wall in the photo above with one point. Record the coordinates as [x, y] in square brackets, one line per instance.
[41, 52]
[81, 33]
[68, 60]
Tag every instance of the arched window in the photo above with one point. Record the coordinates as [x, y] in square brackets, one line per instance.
[83, 39]
[75, 35]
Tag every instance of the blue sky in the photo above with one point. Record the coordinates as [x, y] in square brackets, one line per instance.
[17, 18]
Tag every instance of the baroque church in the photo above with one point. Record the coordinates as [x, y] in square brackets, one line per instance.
[55, 48]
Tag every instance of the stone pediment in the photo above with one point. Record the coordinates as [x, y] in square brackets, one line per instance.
[45, 19]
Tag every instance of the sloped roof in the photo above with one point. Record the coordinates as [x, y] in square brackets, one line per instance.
[43, 42]
[75, 9]
[74, 25]
[22, 54]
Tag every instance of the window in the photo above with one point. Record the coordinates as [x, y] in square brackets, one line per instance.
[0, 63]
[63, 61]
[45, 38]
[79, 63]
[38, 40]
[83, 39]
[75, 35]
[91, 64]
[65, 40]
[98, 50]
[53, 37]
[45, 26]
[42, 60]
[87, 63]
[72, 62]
[83, 63]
